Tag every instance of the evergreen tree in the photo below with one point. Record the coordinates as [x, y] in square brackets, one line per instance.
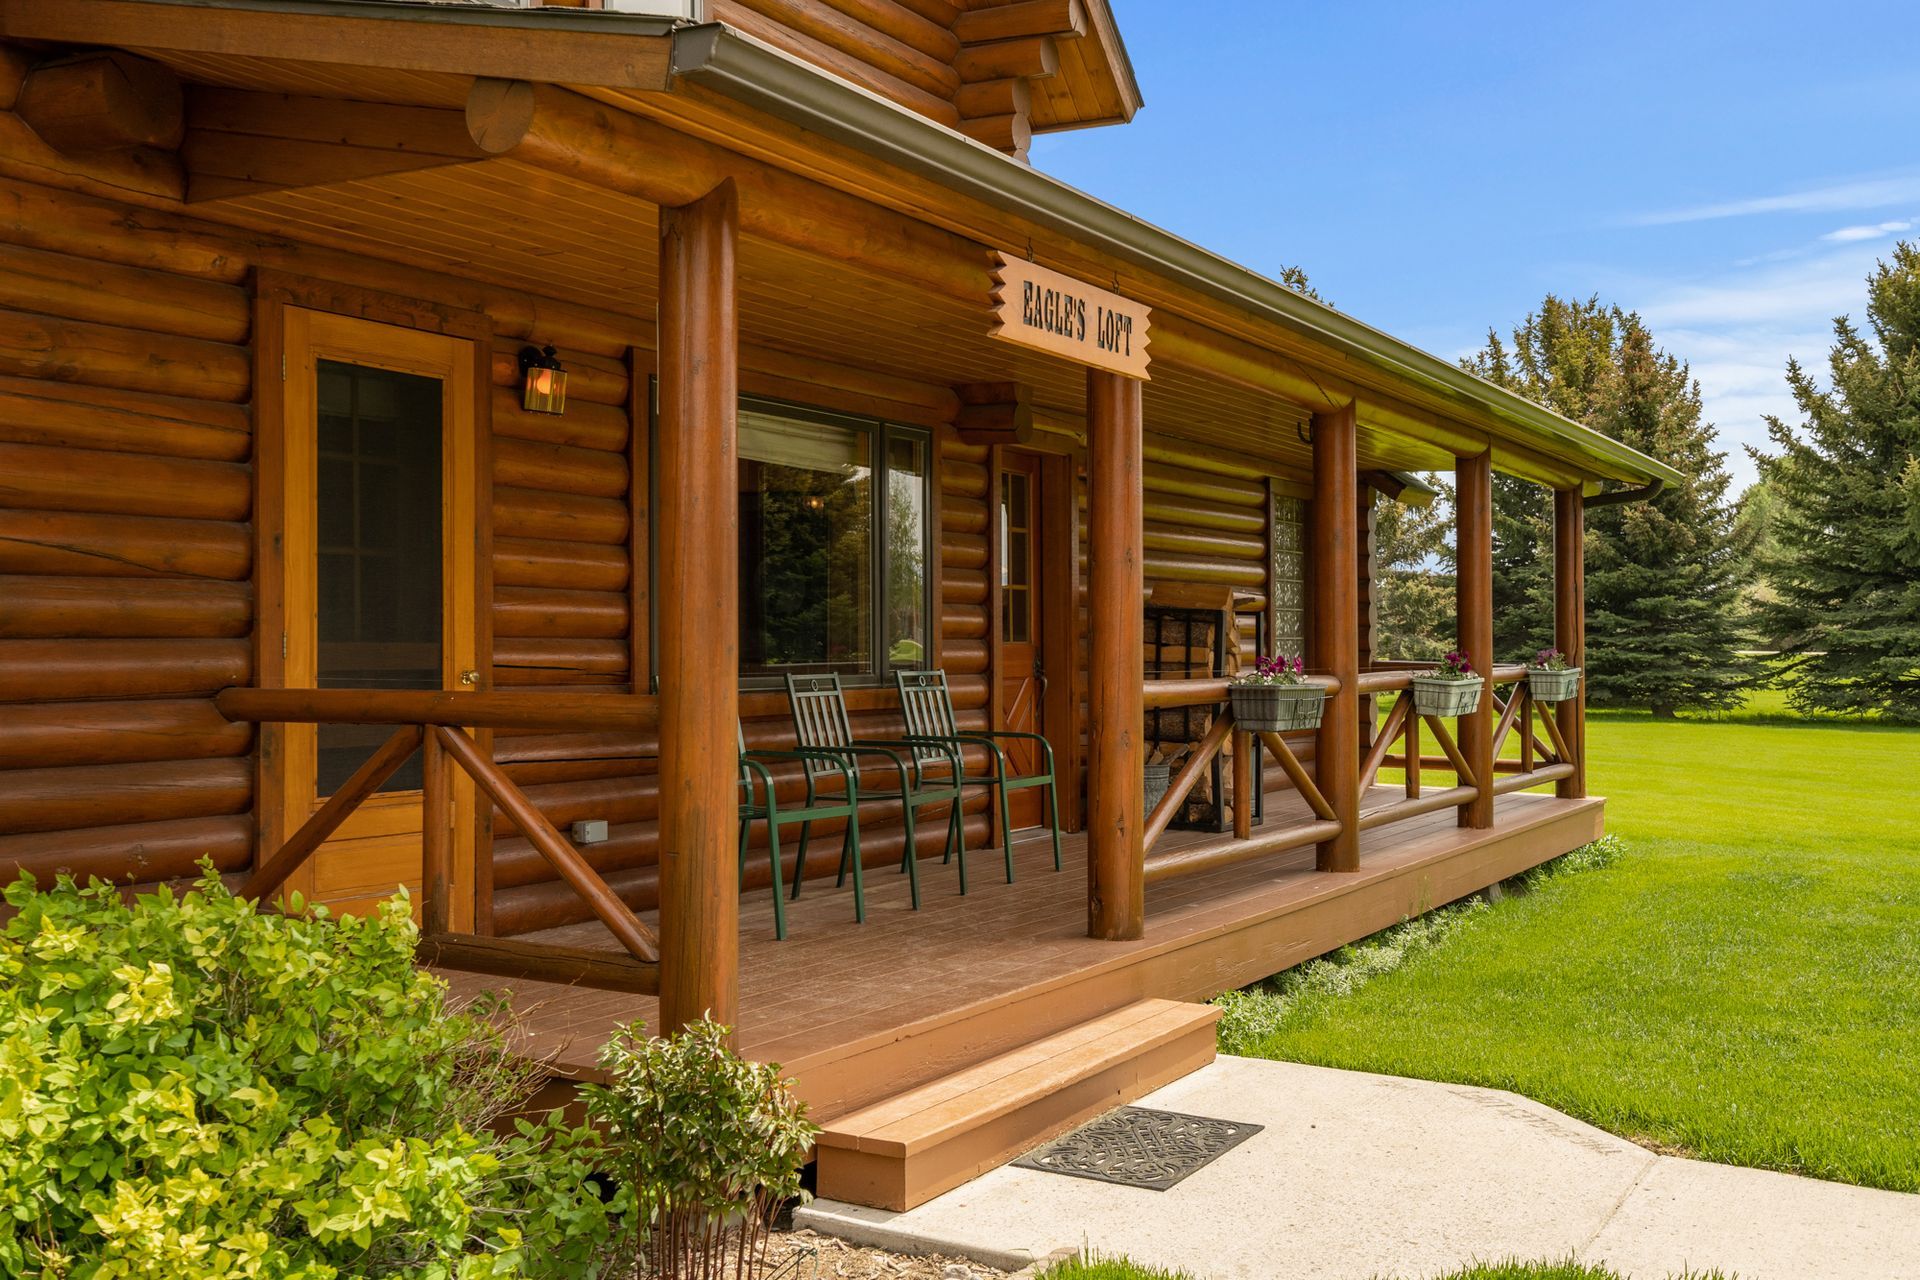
[1844, 559]
[1413, 590]
[1663, 577]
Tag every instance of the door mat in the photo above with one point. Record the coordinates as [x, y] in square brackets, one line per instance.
[1140, 1147]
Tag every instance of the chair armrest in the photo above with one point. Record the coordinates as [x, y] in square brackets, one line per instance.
[848, 756]
[1046, 747]
[755, 768]
[913, 747]
[958, 740]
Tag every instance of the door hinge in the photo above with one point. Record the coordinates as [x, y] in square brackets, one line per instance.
[283, 366]
[283, 646]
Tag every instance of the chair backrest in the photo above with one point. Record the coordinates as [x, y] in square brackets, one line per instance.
[819, 716]
[926, 706]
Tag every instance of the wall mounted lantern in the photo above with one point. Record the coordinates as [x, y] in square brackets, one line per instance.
[543, 381]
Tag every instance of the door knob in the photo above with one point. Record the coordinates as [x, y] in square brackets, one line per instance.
[470, 678]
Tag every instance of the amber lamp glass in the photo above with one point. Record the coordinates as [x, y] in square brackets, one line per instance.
[543, 381]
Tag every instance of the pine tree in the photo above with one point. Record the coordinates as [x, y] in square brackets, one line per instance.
[1844, 554]
[1663, 577]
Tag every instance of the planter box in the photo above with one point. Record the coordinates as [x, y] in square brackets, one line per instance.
[1277, 708]
[1158, 778]
[1433, 696]
[1553, 686]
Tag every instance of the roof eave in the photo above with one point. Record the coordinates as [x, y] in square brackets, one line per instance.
[752, 73]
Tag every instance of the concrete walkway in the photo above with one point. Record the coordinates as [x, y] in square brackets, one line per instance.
[1360, 1176]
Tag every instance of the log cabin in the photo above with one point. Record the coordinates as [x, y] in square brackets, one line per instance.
[299, 577]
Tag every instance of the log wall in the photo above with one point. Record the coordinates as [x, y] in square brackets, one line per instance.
[126, 555]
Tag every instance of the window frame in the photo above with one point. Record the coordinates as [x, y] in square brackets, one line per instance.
[878, 434]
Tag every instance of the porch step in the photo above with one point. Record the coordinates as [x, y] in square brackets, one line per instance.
[909, 1148]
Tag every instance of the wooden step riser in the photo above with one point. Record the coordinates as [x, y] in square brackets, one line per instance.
[860, 1177]
[843, 1082]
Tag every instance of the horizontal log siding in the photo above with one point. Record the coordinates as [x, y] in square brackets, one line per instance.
[125, 551]
[126, 548]
[880, 45]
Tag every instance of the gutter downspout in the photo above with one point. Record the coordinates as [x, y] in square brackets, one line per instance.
[1645, 493]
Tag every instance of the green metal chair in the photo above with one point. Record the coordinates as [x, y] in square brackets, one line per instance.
[927, 706]
[820, 726]
[765, 805]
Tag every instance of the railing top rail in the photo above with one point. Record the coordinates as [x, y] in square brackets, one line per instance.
[550, 712]
[1160, 694]
[1400, 676]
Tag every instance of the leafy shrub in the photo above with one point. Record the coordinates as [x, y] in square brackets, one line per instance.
[190, 1088]
[707, 1145]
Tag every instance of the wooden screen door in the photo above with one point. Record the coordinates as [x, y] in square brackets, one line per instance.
[1022, 612]
[377, 562]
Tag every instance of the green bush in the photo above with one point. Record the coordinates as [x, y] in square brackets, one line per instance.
[193, 1089]
[707, 1144]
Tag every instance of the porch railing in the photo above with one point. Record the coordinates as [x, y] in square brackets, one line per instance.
[1397, 743]
[437, 724]
[1541, 761]
[1244, 843]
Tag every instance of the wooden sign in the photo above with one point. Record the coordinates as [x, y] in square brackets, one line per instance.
[1047, 311]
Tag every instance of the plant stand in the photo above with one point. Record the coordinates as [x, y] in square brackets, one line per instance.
[1277, 708]
[1437, 696]
[1553, 686]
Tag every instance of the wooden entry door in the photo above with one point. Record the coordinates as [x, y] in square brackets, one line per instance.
[1018, 661]
[377, 565]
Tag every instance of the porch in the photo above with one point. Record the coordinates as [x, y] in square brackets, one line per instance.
[860, 1012]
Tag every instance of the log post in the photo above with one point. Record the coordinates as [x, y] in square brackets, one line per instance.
[436, 838]
[698, 529]
[1335, 623]
[1570, 628]
[1116, 696]
[1473, 534]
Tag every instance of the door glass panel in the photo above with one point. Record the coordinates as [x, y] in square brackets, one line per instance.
[379, 563]
[1016, 558]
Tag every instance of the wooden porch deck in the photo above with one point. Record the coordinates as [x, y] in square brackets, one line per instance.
[858, 1013]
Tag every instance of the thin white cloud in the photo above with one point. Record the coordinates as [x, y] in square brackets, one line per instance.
[1871, 193]
[1872, 231]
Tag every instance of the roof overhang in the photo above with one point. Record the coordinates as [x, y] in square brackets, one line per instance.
[742, 69]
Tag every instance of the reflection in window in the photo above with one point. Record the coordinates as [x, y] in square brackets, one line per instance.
[377, 584]
[833, 538]
[906, 551]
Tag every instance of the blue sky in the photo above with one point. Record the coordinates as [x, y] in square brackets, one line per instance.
[1730, 171]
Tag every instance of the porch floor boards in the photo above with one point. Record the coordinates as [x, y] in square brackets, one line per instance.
[1016, 958]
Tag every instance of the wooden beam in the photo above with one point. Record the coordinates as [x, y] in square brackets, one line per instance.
[1116, 849]
[1570, 629]
[102, 100]
[995, 413]
[1028, 58]
[239, 142]
[1009, 133]
[566, 133]
[1473, 550]
[698, 637]
[1334, 619]
[537, 962]
[1022, 18]
[313, 833]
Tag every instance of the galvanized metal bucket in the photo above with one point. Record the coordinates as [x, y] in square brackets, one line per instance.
[1438, 696]
[1553, 686]
[1277, 708]
[1158, 778]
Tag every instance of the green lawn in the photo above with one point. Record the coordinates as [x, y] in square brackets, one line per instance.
[1743, 985]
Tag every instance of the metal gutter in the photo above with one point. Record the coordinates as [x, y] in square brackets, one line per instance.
[482, 14]
[755, 74]
[1613, 498]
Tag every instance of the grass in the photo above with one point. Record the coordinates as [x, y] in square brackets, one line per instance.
[1738, 985]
